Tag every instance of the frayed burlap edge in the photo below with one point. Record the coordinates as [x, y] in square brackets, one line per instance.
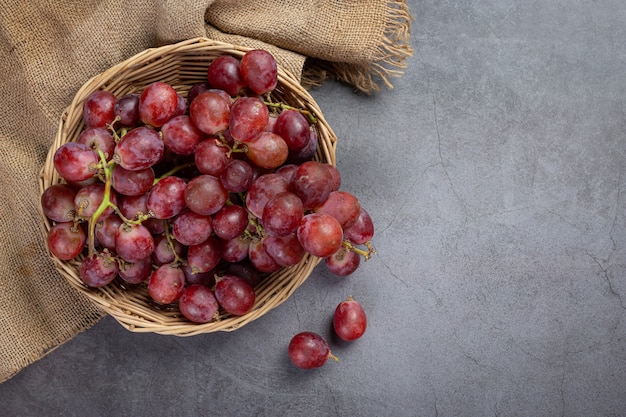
[389, 60]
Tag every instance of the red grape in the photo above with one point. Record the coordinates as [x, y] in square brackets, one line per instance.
[349, 320]
[158, 103]
[98, 269]
[282, 214]
[234, 294]
[320, 234]
[127, 109]
[308, 350]
[166, 198]
[293, 127]
[211, 157]
[205, 194]
[259, 71]
[248, 117]
[237, 176]
[198, 304]
[166, 284]
[89, 198]
[267, 150]
[139, 149]
[98, 109]
[180, 135]
[205, 256]
[57, 202]
[75, 161]
[204, 278]
[106, 227]
[98, 138]
[191, 228]
[133, 242]
[362, 231]
[224, 73]
[260, 258]
[312, 182]
[230, 221]
[235, 250]
[210, 112]
[165, 252]
[343, 262]
[197, 89]
[66, 241]
[131, 183]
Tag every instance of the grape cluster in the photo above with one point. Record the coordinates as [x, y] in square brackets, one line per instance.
[200, 196]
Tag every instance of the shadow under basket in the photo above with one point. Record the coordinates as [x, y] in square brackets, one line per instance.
[180, 65]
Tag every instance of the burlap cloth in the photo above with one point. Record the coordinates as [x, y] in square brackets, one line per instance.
[50, 48]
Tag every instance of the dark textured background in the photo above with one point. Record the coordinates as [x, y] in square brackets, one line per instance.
[495, 173]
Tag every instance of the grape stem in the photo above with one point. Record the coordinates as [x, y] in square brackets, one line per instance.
[174, 171]
[367, 254]
[284, 106]
[106, 201]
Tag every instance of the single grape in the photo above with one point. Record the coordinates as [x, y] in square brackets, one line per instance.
[235, 250]
[205, 256]
[127, 109]
[362, 231]
[210, 112]
[259, 71]
[133, 242]
[320, 234]
[343, 206]
[237, 176]
[139, 149]
[180, 135]
[166, 284]
[132, 183]
[282, 214]
[133, 206]
[234, 294]
[181, 107]
[287, 171]
[98, 138]
[334, 171]
[211, 157]
[260, 258]
[66, 240]
[267, 150]
[75, 162]
[57, 203]
[343, 262]
[262, 189]
[198, 304]
[224, 73]
[158, 103]
[136, 272]
[285, 250]
[191, 228]
[308, 350]
[98, 109]
[248, 117]
[230, 221]
[349, 320]
[205, 194]
[312, 182]
[293, 127]
[106, 227]
[166, 198]
[98, 269]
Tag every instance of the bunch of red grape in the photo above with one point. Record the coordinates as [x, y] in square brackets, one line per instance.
[199, 196]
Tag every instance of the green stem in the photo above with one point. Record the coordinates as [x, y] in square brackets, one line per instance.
[284, 106]
[174, 171]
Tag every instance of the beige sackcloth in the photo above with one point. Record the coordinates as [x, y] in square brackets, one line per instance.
[50, 48]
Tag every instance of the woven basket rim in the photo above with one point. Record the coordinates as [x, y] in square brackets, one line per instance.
[130, 308]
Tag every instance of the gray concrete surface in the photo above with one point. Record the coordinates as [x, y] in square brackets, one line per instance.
[495, 172]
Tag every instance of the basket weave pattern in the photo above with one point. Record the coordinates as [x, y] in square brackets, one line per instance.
[180, 65]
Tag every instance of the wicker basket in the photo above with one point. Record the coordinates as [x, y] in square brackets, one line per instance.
[180, 65]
